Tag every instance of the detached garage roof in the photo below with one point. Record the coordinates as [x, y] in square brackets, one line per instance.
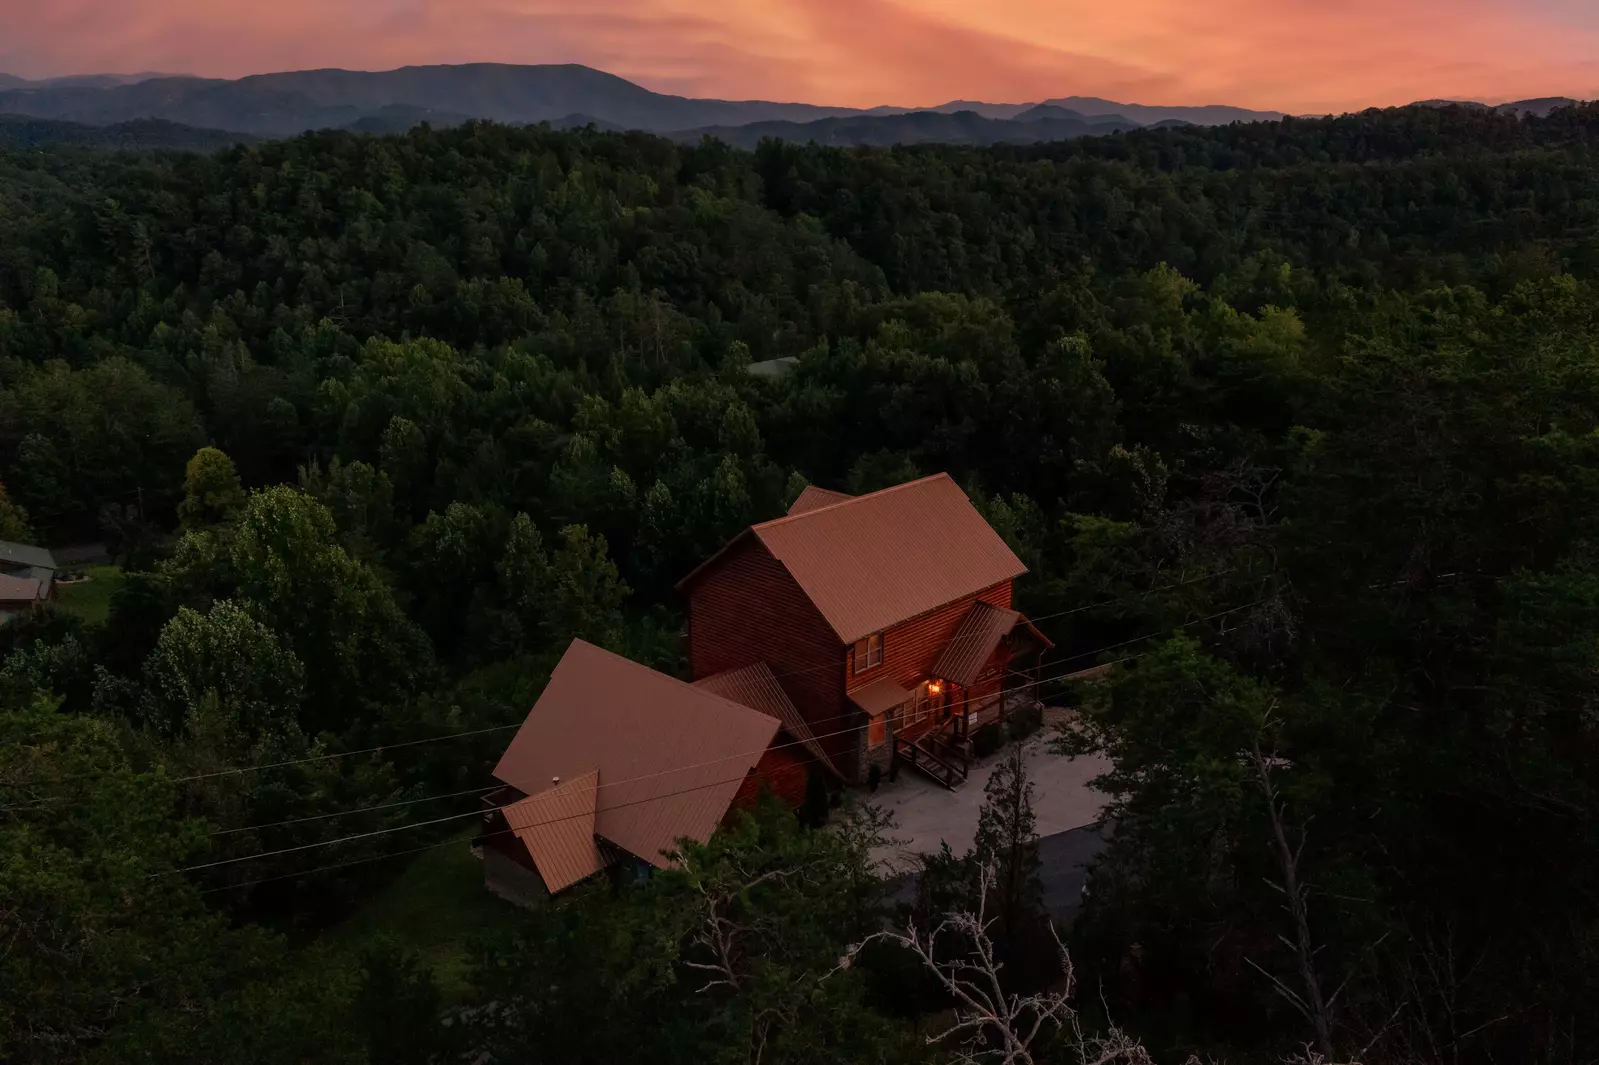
[668, 756]
[872, 561]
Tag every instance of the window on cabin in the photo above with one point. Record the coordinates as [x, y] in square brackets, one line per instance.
[868, 653]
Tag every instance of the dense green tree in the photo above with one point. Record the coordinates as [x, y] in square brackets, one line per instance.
[211, 490]
[112, 955]
[359, 649]
[225, 655]
[99, 434]
[14, 524]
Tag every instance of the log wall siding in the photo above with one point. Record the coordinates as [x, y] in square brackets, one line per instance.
[911, 648]
[746, 609]
[780, 770]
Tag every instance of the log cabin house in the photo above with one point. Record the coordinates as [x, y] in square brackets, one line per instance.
[852, 633]
[886, 617]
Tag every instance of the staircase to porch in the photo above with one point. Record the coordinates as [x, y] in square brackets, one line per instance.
[938, 754]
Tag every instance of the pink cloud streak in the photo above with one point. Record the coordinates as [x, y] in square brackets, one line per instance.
[1296, 55]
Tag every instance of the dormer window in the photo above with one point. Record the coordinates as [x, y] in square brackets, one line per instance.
[868, 653]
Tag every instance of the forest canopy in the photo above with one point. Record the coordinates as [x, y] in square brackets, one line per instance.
[1302, 418]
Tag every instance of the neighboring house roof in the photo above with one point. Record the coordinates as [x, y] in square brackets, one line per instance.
[814, 498]
[778, 367]
[22, 589]
[670, 756]
[26, 555]
[557, 827]
[756, 687]
[870, 562]
[880, 696]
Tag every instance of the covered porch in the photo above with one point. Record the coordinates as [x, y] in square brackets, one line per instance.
[987, 672]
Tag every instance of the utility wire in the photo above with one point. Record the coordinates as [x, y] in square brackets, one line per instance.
[237, 770]
[646, 776]
[502, 728]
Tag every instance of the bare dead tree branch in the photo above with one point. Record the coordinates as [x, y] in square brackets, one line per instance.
[991, 1024]
[1310, 1000]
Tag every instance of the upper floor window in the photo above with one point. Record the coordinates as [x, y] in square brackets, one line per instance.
[868, 653]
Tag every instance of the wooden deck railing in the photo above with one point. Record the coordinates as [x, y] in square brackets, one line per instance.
[936, 756]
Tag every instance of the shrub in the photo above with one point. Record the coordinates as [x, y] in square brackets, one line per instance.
[988, 739]
[1025, 722]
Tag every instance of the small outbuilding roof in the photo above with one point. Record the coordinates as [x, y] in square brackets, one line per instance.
[15, 554]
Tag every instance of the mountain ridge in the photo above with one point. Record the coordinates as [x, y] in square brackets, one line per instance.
[288, 102]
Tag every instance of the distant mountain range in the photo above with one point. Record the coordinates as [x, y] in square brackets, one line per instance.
[143, 134]
[1540, 107]
[206, 112]
[920, 127]
[277, 105]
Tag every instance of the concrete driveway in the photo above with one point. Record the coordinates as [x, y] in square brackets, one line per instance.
[926, 814]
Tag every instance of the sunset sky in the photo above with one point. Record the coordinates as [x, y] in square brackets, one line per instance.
[1293, 55]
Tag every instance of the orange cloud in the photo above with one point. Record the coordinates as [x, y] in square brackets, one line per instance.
[1296, 55]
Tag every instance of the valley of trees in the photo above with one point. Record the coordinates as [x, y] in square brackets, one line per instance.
[1297, 424]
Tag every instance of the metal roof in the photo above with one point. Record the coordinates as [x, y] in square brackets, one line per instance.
[778, 367]
[26, 555]
[974, 642]
[757, 688]
[873, 561]
[22, 589]
[670, 756]
[880, 696]
[557, 827]
[814, 498]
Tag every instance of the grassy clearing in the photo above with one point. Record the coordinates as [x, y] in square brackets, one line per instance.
[91, 600]
[437, 906]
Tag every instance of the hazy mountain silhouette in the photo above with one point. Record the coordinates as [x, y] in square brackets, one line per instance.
[916, 127]
[1540, 106]
[1148, 115]
[287, 103]
[145, 134]
[89, 81]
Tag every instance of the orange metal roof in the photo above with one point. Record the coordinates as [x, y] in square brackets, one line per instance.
[873, 561]
[814, 498]
[557, 827]
[880, 696]
[974, 642]
[670, 756]
[757, 688]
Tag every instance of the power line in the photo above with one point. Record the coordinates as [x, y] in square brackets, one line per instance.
[646, 776]
[237, 770]
[360, 810]
[501, 728]
[509, 831]
[440, 820]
